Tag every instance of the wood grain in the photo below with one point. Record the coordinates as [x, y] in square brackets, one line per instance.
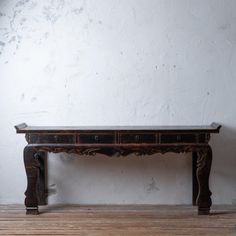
[117, 220]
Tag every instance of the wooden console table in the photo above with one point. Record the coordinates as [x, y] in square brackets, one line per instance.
[118, 141]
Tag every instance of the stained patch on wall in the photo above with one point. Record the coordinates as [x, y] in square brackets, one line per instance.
[2, 44]
[22, 97]
[152, 186]
[52, 189]
[224, 27]
[33, 99]
[12, 39]
[78, 11]
[21, 3]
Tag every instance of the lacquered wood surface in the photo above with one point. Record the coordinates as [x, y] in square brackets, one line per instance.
[24, 128]
[115, 141]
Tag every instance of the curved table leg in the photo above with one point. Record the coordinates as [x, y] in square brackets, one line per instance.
[194, 179]
[32, 172]
[41, 158]
[203, 172]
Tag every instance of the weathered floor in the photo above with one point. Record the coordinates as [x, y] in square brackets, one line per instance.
[117, 220]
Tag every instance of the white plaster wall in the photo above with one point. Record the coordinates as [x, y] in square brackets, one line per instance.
[118, 62]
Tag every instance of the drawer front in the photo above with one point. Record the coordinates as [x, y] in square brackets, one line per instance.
[96, 138]
[178, 138]
[202, 138]
[138, 138]
[37, 138]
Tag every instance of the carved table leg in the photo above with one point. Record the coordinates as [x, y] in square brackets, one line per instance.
[203, 172]
[32, 171]
[194, 179]
[41, 158]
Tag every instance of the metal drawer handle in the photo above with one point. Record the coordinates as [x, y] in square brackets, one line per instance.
[137, 138]
[96, 138]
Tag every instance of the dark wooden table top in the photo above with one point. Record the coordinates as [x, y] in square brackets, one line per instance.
[24, 128]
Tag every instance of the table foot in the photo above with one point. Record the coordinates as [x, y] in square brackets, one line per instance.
[32, 211]
[203, 211]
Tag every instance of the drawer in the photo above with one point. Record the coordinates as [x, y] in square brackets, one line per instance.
[202, 138]
[51, 138]
[178, 138]
[138, 138]
[96, 138]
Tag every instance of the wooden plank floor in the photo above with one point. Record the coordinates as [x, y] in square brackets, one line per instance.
[135, 220]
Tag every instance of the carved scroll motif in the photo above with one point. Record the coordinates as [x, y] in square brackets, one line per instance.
[119, 151]
[203, 171]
